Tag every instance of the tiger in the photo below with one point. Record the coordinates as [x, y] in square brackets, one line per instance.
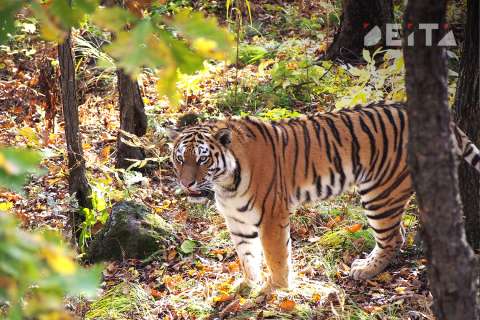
[261, 171]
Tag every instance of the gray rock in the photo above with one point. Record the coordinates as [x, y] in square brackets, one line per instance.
[131, 231]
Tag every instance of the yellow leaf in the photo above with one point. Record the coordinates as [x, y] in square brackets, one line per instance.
[384, 277]
[204, 46]
[233, 266]
[5, 206]
[29, 134]
[287, 305]
[316, 297]
[400, 290]
[223, 297]
[58, 261]
[105, 153]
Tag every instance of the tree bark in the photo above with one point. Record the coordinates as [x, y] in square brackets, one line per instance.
[77, 180]
[132, 119]
[358, 18]
[467, 116]
[452, 267]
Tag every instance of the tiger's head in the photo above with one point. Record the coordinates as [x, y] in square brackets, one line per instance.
[201, 157]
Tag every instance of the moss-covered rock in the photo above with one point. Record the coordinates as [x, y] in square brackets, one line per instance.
[131, 231]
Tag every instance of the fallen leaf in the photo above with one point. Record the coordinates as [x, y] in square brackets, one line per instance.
[287, 305]
[316, 297]
[400, 290]
[384, 277]
[354, 228]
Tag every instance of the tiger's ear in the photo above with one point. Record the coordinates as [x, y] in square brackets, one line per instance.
[224, 136]
[172, 134]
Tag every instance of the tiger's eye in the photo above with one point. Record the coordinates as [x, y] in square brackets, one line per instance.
[202, 159]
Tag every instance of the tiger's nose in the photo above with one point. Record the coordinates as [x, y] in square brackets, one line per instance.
[187, 183]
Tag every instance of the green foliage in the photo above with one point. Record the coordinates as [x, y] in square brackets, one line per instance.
[152, 41]
[278, 114]
[37, 271]
[97, 215]
[251, 54]
[371, 83]
[15, 167]
[188, 246]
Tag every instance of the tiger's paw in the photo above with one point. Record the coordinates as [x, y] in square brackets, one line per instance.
[364, 269]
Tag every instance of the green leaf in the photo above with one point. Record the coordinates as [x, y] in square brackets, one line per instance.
[188, 246]
[366, 55]
[16, 165]
[8, 12]
[139, 47]
[195, 27]
[113, 19]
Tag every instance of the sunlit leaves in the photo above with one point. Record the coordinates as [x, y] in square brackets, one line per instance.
[211, 41]
[181, 42]
[15, 166]
[188, 246]
[138, 48]
[8, 9]
[113, 18]
[37, 271]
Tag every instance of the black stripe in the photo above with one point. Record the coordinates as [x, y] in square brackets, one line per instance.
[334, 129]
[236, 220]
[295, 160]
[318, 129]
[387, 229]
[307, 196]
[337, 161]
[356, 165]
[306, 142]
[475, 160]
[371, 139]
[246, 206]
[318, 185]
[386, 214]
[253, 235]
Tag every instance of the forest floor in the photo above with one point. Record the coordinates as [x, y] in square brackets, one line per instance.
[275, 76]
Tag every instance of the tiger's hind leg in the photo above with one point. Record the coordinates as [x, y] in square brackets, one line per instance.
[384, 209]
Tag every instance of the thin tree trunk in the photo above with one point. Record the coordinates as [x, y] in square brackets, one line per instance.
[452, 270]
[358, 18]
[132, 119]
[77, 180]
[467, 116]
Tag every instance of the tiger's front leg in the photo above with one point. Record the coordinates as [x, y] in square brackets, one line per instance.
[246, 240]
[276, 242]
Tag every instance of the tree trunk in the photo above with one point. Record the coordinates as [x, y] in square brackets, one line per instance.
[132, 119]
[452, 271]
[358, 18]
[467, 116]
[77, 180]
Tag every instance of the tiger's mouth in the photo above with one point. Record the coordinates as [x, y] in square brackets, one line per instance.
[201, 194]
[197, 194]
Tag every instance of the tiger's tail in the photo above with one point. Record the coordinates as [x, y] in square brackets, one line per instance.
[466, 149]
